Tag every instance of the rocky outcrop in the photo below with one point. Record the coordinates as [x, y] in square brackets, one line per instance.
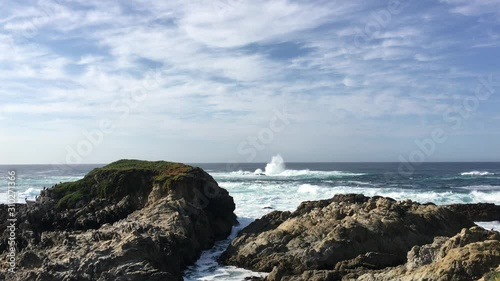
[472, 254]
[478, 211]
[130, 220]
[330, 239]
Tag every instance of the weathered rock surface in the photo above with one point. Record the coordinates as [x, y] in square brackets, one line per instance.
[473, 254]
[479, 211]
[470, 255]
[328, 239]
[130, 220]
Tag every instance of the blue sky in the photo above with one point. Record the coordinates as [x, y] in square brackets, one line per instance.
[232, 80]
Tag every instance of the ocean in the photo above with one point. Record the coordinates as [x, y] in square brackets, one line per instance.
[259, 188]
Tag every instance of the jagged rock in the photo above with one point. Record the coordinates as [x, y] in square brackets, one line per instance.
[478, 211]
[130, 220]
[347, 231]
[470, 255]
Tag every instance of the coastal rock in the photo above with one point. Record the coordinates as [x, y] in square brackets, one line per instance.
[472, 254]
[478, 211]
[327, 239]
[130, 220]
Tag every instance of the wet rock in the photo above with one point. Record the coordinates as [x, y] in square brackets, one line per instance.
[130, 220]
[327, 239]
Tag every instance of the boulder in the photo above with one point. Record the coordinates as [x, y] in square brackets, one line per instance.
[473, 254]
[327, 239]
[130, 220]
[479, 211]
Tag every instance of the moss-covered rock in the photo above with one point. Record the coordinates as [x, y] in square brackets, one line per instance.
[116, 180]
[131, 219]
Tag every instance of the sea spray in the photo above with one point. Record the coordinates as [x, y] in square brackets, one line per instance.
[276, 166]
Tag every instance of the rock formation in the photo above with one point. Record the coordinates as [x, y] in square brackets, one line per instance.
[479, 211]
[130, 220]
[350, 235]
[470, 255]
[473, 254]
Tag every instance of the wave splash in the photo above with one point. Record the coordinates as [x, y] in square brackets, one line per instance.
[476, 173]
[276, 166]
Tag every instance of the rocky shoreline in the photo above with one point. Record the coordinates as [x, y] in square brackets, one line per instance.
[130, 220]
[354, 237]
[138, 220]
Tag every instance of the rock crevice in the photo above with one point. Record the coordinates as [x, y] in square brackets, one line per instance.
[352, 236]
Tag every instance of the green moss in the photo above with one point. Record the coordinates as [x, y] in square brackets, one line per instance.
[492, 276]
[127, 164]
[116, 180]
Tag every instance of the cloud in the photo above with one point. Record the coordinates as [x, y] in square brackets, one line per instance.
[474, 7]
[242, 23]
[223, 67]
[424, 57]
[348, 82]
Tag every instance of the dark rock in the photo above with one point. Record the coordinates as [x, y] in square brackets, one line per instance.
[470, 255]
[479, 211]
[130, 220]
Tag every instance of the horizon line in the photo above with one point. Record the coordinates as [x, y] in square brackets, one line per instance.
[286, 162]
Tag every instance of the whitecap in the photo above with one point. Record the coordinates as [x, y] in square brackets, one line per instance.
[477, 173]
[480, 187]
[489, 225]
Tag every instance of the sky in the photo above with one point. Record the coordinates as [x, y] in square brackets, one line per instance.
[240, 81]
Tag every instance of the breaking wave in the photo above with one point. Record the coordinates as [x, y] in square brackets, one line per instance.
[477, 173]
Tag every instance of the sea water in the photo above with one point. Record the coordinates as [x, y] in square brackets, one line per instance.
[259, 188]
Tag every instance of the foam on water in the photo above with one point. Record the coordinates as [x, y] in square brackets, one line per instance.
[477, 173]
[207, 267]
[255, 199]
[28, 188]
[480, 187]
[260, 189]
[292, 174]
[490, 225]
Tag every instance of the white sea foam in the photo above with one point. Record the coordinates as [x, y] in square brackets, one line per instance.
[477, 173]
[487, 197]
[480, 187]
[206, 267]
[308, 188]
[490, 225]
[30, 193]
[276, 166]
[21, 195]
[258, 172]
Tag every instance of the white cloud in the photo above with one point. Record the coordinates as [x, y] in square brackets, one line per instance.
[474, 7]
[221, 70]
[424, 57]
[253, 22]
[349, 82]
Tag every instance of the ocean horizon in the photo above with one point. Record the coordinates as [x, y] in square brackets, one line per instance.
[259, 188]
